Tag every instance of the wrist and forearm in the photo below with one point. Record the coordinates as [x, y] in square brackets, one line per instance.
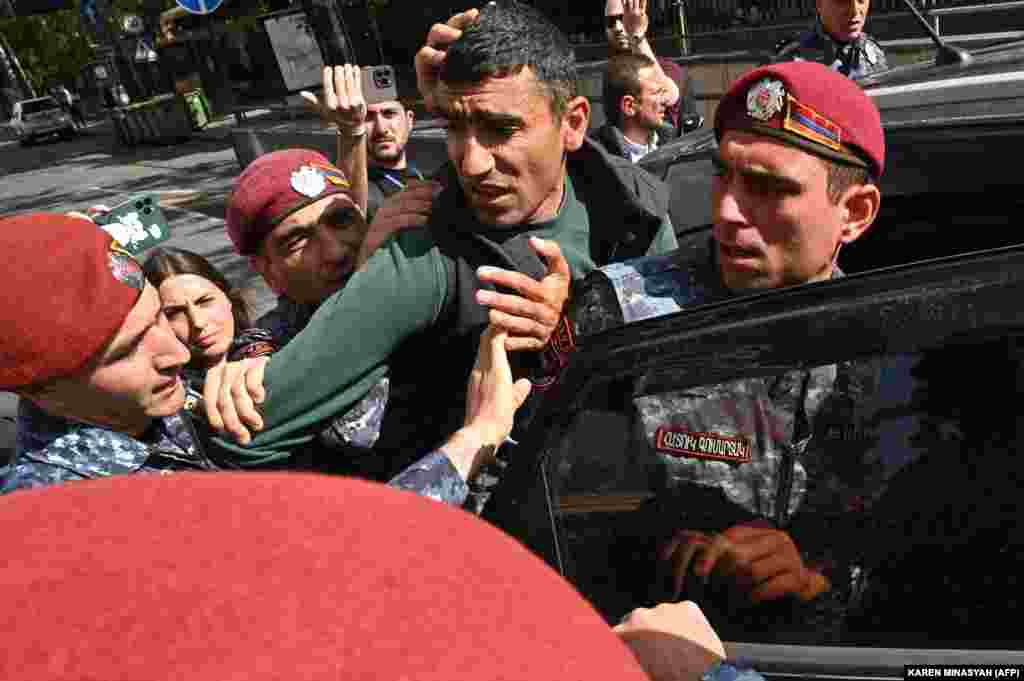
[351, 151]
[470, 447]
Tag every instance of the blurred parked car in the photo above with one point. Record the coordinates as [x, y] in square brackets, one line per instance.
[36, 118]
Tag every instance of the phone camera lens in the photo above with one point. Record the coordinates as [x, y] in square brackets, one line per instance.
[138, 204]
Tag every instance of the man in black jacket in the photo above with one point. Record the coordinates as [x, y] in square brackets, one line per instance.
[635, 100]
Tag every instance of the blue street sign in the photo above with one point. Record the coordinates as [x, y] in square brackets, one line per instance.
[200, 6]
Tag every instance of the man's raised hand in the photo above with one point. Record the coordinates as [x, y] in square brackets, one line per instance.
[341, 102]
[430, 57]
[532, 316]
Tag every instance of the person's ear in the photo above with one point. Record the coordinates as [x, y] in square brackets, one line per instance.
[859, 205]
[628, 106]
[261, 264]
[575, 122]
[412, 116]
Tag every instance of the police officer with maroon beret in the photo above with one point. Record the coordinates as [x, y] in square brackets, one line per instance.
[100, 374]
[741, 501]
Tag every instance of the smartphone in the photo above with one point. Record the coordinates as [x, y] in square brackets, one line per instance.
[138, 224]
[379, 84]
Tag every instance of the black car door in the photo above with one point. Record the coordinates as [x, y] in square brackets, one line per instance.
[909, 483]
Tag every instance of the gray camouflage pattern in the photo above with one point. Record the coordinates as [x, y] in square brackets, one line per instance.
[53, 450]
[812, 434]
[659, 285]
[856, 59]
[355, 432]
[764, 412]
[433, 476]
[731, 671]
[286, 320]
[777, 416]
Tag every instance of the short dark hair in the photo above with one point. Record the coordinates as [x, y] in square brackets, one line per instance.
[621, 78]
[508, 37]
[164, 263]
[842, 176]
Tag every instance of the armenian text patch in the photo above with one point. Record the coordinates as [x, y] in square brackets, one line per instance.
[714, 446]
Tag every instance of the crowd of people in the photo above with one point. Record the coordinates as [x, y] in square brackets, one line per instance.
[417, 317]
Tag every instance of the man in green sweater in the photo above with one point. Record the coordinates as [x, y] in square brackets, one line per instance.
[523, 181]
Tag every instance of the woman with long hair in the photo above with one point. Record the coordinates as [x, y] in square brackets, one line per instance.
[206, 312]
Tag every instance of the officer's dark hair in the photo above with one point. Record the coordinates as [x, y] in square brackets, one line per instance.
[506, 38]
[842, 176]
[164, 263]
[621, 78]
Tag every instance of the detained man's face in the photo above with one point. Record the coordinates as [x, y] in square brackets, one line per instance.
[509, 148]
[135, 378]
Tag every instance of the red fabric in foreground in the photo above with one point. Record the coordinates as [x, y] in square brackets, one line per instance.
[280, 576]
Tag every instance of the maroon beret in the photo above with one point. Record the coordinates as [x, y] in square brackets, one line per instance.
[67, 288]
[810, 106]
[253, 576]
[273, 187]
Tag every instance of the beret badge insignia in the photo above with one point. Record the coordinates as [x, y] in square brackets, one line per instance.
[309, 181]
[765, 99]
[124, 267]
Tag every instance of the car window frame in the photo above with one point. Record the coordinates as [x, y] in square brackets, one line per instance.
[935, 301]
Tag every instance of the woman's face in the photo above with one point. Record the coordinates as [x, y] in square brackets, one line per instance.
[200, 315]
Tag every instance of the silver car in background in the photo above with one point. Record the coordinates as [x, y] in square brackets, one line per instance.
[35, 118]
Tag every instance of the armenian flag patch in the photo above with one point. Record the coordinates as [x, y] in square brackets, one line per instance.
[124, 267]
[804, 121]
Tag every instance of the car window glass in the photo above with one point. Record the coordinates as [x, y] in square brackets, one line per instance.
[896, 478]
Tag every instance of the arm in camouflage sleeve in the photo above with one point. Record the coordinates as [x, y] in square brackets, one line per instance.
[433, 476]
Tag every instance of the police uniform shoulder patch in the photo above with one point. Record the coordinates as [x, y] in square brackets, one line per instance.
[765, 99]
[124, 267]
[712, 446]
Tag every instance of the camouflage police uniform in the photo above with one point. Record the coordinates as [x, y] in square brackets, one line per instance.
[858, 58]
[780, 450]
[52, 450]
